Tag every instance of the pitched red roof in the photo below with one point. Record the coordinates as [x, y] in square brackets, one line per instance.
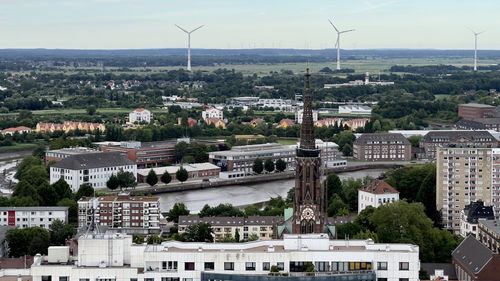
[379, 187]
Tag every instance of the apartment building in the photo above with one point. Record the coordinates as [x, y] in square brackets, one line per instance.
[57, 155]
[492, 123]
[470, 216]
[382, 147]
[105, 257]
[140, 115]
[375, 194]
[23, 217]
[263, 227]
[92, 168]
[488, 233]
[16, 130]
[474, 110]
[241, 158]
[212, 113]
[474, 261]
[120, 211]
[458, 138]
[144, 154]
[355, 109]
[69, 126]
[196, 171]
[465, 175]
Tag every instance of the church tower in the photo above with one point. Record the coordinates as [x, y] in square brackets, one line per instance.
[310, 195]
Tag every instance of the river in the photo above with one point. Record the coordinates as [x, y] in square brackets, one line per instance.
[242, 195]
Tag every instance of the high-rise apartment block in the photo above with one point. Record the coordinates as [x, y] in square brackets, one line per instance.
[465, 175]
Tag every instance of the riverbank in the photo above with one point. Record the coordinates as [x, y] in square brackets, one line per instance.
[251, 180]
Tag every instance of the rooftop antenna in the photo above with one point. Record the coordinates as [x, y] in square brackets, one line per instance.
[475, 47]
[337, 44]
[189, 43]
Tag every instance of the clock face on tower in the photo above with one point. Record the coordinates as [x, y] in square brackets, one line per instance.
[307, 213]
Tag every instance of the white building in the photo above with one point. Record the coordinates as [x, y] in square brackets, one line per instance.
[114, 258]
[355, 109]
[212, 113]
[470, 216]
[299, 113]
[140, 115]
[131, 214]
[23, 217]
[94, 169]
[377, 193]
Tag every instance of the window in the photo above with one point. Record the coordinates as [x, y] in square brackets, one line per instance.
[382, 265]
[266, 266]
[404, 266]
[229, 266]
[149, 279]
[189, 266]
[63, 278]
[281, 266]
[169, 265]
[404, 279]
[46, 278]
[134, 279]
[170, 279]
[86, 279]
[209, 266]
[250, 266]
[381, 279]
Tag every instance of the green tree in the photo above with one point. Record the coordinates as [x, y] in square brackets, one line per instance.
[200, 232]
[237, 235]
[181, 174]
[39, 152]
[59, 232]
[427, 196]
[337, 207]
[47, 194]
[252, 210]
[415, 140]
[152, 178]
[85, 190]
[179, 209]
[35, 175]
[91, 110]
[72, 209]
[113, 182]
[258, 166]
[280, 165]
[62, 189]
[166, 178]
[26, 189]
[27, 241]
[153, 239]
[347, 150]
[25, 164]
[333, 185]
[180, 150]
[137, 239]
[125, 179]
[269, 165]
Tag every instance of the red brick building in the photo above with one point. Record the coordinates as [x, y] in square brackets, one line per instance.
[147, 154]
[471, 111]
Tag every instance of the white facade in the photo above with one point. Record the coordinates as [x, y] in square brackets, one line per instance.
[113, 258]
[299, 113]
[140, 115]
[23, 217]
[355, 109]
[467, 227]
[97, 177]
[212, 113]
[366, 199]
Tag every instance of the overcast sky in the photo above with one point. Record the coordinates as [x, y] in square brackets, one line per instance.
[121, 24]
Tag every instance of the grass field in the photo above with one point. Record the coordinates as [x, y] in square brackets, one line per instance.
[373, 65]
[287, 141]
[18, 147]
[70, 111]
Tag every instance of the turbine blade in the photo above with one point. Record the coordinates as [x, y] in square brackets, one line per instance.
[350, 30]
[182, 29]
[333, 26]
[196, 28]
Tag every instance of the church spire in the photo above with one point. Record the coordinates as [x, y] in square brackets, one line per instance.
[307, 127]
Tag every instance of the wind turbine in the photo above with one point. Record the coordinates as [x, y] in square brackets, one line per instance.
[189, 43]
[475, 47]
[337, 44]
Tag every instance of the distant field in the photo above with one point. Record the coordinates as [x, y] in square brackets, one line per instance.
[287, 141]
[80, 111]
[17, 147]
[441, 97]
[372, 65]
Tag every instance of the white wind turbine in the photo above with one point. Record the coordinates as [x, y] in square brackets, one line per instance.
[475, 47]
[337, 44]
[189, 43]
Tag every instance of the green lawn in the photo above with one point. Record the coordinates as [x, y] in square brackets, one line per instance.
[287, 141]
[18, 147]
[69, 111]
